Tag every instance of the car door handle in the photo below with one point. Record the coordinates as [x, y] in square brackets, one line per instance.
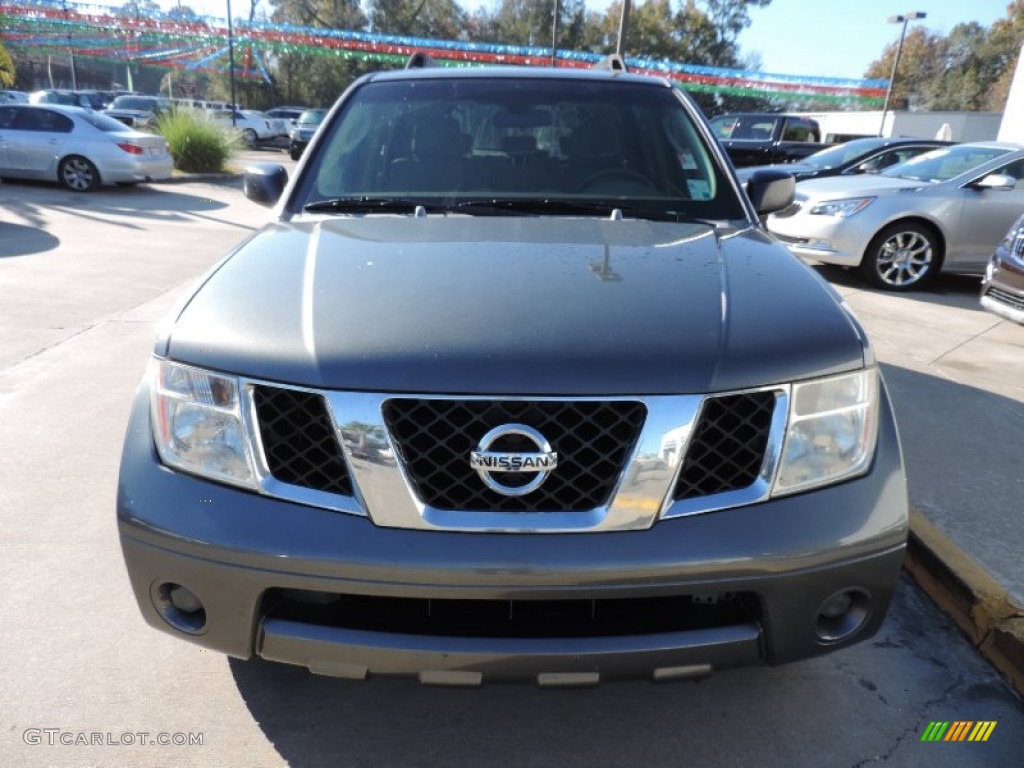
[54, 141]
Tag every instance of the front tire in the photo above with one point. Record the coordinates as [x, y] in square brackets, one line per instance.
[902, 257]
[78, 174]
[249, 137]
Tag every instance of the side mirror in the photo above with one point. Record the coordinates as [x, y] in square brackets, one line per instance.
[263, 183]
[1000, 181]
[770, 190]
[868, 166]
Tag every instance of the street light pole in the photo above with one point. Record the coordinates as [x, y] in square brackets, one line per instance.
[231, 64]
[904, 18]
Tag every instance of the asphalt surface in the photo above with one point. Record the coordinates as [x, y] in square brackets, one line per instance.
[84, 280]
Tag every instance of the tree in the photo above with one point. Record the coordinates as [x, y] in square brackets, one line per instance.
[443, 19]
[7, 74]
[1003, 47]
[317, 79]
[970, 69]
[923, 61]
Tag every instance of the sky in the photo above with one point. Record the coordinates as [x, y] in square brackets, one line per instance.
[840, 38]
[826, 38]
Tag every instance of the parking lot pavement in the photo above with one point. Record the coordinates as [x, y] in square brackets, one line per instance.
[956, 375]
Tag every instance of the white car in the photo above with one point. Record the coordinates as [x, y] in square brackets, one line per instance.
[943, 210]
[254, 127]
[77, 147]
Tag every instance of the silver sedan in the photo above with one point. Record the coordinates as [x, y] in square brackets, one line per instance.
[943, 210]
[77, 147]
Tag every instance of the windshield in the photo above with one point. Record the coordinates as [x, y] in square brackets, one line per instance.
[841, 154]
[312, 117]
[944, 164]
[471, 139]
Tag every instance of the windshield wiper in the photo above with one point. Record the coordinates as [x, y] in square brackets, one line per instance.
[556, 207]
[372, 205]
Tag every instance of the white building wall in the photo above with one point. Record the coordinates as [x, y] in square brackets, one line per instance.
[965, 126]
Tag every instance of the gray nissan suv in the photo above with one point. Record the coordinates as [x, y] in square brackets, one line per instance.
[513, 388]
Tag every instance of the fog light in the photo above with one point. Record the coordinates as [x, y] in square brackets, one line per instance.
[180, 607]
[184, 600]
[842, 615]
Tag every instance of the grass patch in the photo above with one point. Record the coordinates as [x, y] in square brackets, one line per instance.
[195, 144]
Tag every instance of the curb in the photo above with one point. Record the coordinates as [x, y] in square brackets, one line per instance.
[979, 605]
[207, 177]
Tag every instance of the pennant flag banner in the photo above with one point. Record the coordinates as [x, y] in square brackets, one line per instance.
[200, 43]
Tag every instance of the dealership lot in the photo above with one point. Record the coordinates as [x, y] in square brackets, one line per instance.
[84, 281]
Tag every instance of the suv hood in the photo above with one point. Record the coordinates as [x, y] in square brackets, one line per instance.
[514, 305]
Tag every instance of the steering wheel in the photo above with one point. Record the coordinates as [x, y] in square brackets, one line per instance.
[612, 175]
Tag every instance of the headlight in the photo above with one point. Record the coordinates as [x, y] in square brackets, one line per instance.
[832, 430]
[842, 209]
[197, 422]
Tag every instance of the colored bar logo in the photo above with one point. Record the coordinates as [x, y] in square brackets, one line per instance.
[958, 730]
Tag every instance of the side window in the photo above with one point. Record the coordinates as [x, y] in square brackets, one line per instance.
[7, 115]
[44, 120]
[1015, 169]
[799, 130]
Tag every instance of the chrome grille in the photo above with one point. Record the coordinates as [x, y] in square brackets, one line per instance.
[728, 446]
[299, 441]
[1007, 298]
[434, 438]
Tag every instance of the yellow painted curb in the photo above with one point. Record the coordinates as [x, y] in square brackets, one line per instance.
[979, 605]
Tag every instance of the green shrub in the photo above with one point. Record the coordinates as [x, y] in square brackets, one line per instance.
[197, 145]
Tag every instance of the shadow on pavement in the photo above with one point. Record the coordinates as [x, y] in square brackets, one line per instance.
[962, 447]
[31, 199]
[946, 289]
[22, 240]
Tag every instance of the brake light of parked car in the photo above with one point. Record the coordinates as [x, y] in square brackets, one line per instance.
[132, 149]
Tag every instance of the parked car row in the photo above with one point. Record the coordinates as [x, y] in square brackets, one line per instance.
[253, 126]
[901, 211]
[79, 148]
[941, 210]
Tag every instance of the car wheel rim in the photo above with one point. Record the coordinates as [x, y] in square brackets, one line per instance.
[77, 174]
[904, 259]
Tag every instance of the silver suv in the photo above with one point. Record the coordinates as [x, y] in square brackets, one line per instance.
[514, 387]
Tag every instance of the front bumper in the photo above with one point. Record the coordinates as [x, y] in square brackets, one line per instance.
[1002, 289]
[242, 553]
[148, 169]
[826, 239]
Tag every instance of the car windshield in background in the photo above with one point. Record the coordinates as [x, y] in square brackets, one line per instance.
[462, 141]
[944, 164]
[841, 154]
[104, 123]
[312, 117]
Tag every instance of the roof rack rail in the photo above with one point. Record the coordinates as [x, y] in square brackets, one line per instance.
[612, 61]
[420, 60]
